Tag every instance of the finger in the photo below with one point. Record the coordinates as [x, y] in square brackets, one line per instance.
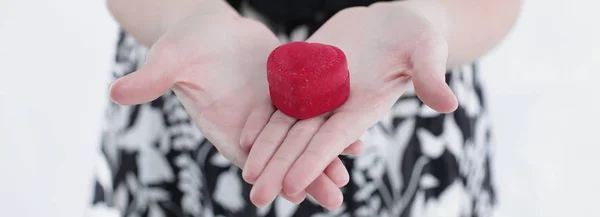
[266, 144]
[355, 148]
[147, 83]
[323, 190]
[295, 199]
[332, 138]
[337, 172]
[269, 183]
[429, 68]
[326, 193]
[257, 120]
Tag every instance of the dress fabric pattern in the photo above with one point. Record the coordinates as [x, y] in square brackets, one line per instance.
[416, 163]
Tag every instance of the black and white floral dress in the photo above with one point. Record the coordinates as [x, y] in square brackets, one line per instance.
[416, 163]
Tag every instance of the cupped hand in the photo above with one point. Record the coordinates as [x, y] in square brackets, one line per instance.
[388, 49]
[216, 65]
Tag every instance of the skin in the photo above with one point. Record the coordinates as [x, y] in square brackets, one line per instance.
[214, 73]
[218, 77]
[399, 44]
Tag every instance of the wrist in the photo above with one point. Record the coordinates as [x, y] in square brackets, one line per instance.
[173, 16]
[431, 12]
[435, 12]
[148, 21]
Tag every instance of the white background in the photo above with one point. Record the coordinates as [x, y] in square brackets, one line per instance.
[55, 58]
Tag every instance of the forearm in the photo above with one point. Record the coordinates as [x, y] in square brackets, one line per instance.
[471, 27]
[147, 20]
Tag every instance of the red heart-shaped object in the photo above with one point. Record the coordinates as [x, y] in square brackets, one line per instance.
[307, 79]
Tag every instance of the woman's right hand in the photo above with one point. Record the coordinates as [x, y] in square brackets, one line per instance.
[216, 65]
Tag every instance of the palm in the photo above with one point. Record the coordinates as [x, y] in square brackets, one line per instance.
[381, 64]
[219, 93]
[217, 68]
[386, 54]
[214, 71]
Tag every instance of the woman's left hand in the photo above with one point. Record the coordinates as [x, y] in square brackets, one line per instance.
[388, 47]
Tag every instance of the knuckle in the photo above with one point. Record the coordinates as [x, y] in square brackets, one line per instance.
[313, 154]
[300, 131]
[340, 134]
[262, 115]
[306, 128]
[279, 159]
[267, 141]
[281, 119]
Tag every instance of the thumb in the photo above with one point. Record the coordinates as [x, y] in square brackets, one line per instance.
[144, 85]
[429, 69]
